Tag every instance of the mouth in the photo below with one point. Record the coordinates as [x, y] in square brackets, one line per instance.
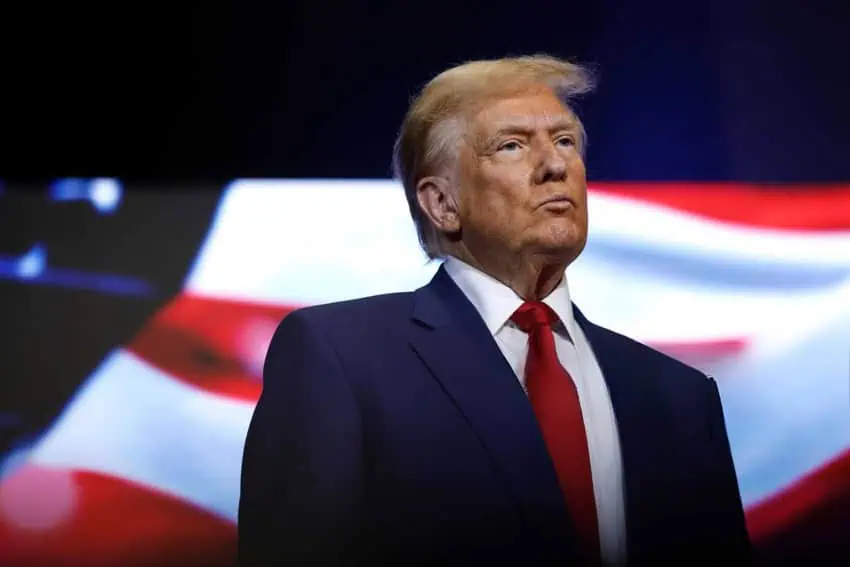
[557, 202]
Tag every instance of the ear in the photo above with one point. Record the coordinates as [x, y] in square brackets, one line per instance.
[438, 203]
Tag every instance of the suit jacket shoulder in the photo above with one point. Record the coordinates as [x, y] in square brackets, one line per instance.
[669, 369]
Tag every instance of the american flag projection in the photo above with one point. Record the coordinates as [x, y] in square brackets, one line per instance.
[750, 284]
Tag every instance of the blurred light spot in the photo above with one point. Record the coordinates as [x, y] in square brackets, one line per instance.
[254, 338]
[69, 189]
[105, 194]
[33, 263]
[38, 499]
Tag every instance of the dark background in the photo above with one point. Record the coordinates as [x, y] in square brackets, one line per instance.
[721, 90]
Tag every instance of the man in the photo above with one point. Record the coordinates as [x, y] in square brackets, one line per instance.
[482, 418]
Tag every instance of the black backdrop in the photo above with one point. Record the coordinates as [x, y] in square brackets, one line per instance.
[720, 90]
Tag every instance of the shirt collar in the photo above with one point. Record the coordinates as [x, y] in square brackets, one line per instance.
[496, 302]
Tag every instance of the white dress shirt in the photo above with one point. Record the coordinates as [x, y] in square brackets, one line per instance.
[496, 303]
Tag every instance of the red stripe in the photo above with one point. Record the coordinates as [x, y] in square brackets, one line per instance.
[70, 518]
[703, 351]
[822, 497]
[791, 207]
[214, 344]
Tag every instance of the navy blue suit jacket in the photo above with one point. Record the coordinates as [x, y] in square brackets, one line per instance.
[391, 430]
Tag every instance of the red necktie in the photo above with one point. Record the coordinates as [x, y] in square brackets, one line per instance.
[555, 401]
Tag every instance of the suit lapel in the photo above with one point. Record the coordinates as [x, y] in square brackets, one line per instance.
[454, 343]
[640, 425]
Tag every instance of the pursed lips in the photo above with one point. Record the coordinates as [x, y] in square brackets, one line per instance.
[557, 199]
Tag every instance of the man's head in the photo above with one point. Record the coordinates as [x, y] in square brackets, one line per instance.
[491, 158]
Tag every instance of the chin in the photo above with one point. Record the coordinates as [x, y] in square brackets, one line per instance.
[561, 251]
[563, 240]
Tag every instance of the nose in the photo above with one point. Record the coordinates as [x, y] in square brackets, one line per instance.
[552, 166]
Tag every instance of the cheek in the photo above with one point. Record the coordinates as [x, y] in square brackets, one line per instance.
[509, 205]
[495, 197]
[577, 175]
[491, 211]
[576, 167]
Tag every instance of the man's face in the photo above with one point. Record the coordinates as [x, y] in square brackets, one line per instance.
[522, 179]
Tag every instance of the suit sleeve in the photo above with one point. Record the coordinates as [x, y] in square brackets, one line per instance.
[730, 541]
[301, 467]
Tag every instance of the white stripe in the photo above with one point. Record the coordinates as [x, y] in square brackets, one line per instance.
[652, 306]
[134, 422]
[282, 240]
[650, 225]
[309, 242]
[786, 398]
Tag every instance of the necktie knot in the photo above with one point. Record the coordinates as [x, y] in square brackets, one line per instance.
[533, 315]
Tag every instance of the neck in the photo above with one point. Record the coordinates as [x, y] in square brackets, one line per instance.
[532, 277]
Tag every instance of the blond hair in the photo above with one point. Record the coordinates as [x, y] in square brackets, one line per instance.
[429, 135]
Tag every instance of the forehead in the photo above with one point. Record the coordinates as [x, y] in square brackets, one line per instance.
[537, 110]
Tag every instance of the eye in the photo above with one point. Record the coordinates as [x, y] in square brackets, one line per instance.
[566, 141]
[510, 145]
